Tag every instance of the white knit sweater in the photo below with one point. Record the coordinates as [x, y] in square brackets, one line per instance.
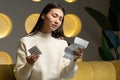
[51, 64]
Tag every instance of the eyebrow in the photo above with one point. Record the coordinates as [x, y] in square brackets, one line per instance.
[57, 15]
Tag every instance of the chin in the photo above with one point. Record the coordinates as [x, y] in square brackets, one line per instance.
[53, 29]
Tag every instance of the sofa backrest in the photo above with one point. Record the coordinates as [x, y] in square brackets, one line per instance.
[116, 64]
[6, 72]
[95, 70]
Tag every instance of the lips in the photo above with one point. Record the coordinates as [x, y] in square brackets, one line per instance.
[55, 26]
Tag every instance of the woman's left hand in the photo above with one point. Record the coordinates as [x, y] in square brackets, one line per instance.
[78, 54]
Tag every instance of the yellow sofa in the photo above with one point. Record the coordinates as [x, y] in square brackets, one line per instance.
[6, 72]
[98, 70]
[89, 70]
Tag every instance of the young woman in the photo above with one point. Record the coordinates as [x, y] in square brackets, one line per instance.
[48, 36]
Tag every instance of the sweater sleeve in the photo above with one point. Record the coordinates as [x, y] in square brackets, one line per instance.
[22, 69]
[69, 67]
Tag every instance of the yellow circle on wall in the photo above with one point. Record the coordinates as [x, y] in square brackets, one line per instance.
[70, 1]
[36, 0]
[5, 25]
[5, 58]
[30, 22]
[72, 25]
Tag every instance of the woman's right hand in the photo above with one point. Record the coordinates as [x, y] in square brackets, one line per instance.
[32, 58]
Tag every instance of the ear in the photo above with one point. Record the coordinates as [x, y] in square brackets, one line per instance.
[42, 16]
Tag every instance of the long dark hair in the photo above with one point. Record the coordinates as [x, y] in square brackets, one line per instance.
[57, 33]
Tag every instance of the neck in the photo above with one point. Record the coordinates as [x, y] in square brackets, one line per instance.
[45, 31]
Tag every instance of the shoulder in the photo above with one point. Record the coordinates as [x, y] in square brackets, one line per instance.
[25, 38]
[62, 41]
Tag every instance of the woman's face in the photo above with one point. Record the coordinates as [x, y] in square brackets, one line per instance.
[52, 20]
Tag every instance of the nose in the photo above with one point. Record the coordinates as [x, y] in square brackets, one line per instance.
[57, 21]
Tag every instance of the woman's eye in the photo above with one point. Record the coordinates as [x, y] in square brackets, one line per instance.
[60, 19]
[54, 16]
